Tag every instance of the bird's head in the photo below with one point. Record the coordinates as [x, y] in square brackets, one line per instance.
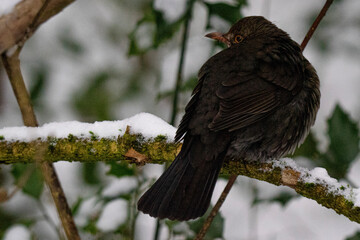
[245, 28]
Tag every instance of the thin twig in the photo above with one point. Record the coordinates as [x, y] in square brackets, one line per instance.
[179, 80]
[133, 213]
[315, 24]
[12, 67]
[157, 230]
[34, 24]
[48, 219]
[179, 76]
[216, 208]
[228, 187]
[19, 24]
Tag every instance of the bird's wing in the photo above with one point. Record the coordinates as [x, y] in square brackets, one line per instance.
[271, 78]
[189, 110]
[237, 88]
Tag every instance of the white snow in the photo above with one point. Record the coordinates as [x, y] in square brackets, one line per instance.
[7, 6]
[356, 197]
[17, 232]
[301, 218]
[113, 215]
[287, 162]
[171, 9]
[118, 186]
[319, 173]
[88, 209]
[147, 124]
[320, 176]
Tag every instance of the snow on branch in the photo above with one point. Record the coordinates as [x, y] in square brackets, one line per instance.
[148, 125]
[314, 184]
[145, 138]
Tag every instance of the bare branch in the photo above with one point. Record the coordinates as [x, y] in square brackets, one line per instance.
[12, 67]
[216, 208]
[315, 24]
[17, 26]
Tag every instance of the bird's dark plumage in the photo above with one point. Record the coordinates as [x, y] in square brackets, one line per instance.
[255, 100]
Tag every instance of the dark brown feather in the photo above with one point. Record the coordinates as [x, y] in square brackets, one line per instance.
[255, 100]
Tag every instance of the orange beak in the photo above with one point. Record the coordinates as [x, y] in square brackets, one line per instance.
[220, 37]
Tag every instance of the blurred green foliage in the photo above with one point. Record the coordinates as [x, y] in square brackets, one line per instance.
[283, 198]
[344, 143]
[216, 230]
[355, 236]
[343, 148]
[6, 221]
[94, 100]
[34, 184]
[163, 30]
[229, 13]
[192, 227]
[335, 30]
[121, 169]
[39, 78]
[105, 88]
[70, 43]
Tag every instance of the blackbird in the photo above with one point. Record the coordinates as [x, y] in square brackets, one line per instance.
[255, 100]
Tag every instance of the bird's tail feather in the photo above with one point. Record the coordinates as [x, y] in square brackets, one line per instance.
[184, 190]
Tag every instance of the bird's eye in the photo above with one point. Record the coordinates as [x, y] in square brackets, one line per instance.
[238, 39]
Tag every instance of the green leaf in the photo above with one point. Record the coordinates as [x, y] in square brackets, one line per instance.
[163, 32]
[282, 198]
[70, 43]
[32, 176]
[121, 169]
[6, 221]
[91, 227]
[216, 229]
[225, 11]
[344, 143]
[27, 222]
[228, 12]
[90, 173]
[355, 236]
[39, 79]
[93, 102]
[309, 148]
[75, 208]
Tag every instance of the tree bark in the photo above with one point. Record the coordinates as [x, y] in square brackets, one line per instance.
[17, 26]
[134, 148]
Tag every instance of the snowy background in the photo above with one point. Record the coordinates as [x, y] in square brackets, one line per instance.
[81, 43]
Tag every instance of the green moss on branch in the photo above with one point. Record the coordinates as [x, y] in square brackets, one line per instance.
[92, 149]
[134, 148]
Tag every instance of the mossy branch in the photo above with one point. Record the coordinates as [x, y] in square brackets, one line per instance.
[134, 148]
[130, 147]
